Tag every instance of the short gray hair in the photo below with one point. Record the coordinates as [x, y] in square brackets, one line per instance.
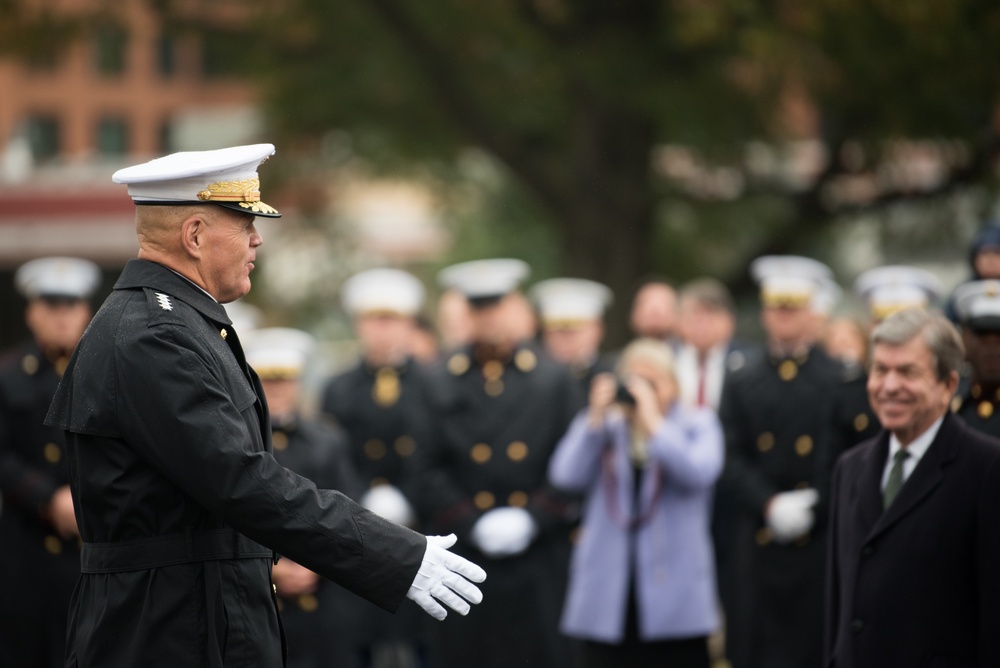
[941, 337]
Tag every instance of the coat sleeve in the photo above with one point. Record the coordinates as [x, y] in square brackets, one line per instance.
[831, 611]
[576, 461]
[175, 411]
[690, 450]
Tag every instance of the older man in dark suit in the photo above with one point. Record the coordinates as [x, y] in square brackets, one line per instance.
[915, 526]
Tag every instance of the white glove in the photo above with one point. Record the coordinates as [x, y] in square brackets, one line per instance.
[445, 577]
[388, 502]
[504, 532]
[790, 514]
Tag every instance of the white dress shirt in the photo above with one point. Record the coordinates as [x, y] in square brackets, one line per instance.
[916, 448]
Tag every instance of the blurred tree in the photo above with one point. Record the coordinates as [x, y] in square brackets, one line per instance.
[683, 136]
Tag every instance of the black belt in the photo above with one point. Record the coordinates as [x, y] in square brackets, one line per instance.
[191, 546]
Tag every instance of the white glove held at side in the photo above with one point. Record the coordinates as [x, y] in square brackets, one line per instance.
[503, 532]
[790, 514]
[445, 577]
[388, 502]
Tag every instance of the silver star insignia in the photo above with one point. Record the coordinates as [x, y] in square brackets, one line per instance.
[164, 302]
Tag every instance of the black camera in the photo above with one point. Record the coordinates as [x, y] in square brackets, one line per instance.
[623, 396]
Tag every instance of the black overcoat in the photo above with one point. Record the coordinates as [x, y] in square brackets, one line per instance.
[498, 423]
[777, 414]
[176, 491]
[918, 584]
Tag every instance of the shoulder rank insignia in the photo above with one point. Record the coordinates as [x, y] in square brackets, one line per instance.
[164, 301]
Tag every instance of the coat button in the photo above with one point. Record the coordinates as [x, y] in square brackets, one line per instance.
[860, 422]
[481, 453]
[484, 500]
[53, 545]
[517, 451]
[374, 449]
[517, 499]
[52, 453]
[803, 445]
[857, 625]
[405, 446]
[765, 441]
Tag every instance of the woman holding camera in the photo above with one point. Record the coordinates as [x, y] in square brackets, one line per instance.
[642, 586]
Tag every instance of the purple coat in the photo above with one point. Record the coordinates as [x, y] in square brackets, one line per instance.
[674, 561]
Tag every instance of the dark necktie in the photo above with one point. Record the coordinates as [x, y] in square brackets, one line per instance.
[895, 482]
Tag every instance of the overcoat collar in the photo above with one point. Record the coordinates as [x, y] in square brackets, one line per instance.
[925, 477]
[145, 274]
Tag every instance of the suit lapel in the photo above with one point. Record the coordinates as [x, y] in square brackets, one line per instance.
[925, 477]
[869, 483]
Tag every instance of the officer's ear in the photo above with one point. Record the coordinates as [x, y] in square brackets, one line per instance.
[193, 231]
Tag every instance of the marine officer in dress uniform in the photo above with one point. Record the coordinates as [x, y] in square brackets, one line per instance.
[379, 402]
[39, 539]
[977, 306]
[180, 502]
[500, 406]
[314, 614]
[777, 412]
[571, 311]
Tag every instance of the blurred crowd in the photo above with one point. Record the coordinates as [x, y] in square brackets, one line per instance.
[661, 504]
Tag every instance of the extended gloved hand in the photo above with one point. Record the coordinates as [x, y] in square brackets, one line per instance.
[388, 502]
[503, 532]
[790, 514]
[447, 578]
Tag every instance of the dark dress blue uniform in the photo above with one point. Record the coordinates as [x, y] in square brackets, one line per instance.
[498, 421]
[777, 415]
[383, 411]
[177, 492]
[41, 568]
[979, 406]
[318, 626]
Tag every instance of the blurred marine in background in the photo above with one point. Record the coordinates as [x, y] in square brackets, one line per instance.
[39, 538]
[500, 405]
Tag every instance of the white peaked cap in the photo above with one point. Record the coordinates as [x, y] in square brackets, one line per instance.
[790, 280]
[484, 279]
[382, 291]
[567, 300]
[895, 287]
[278, 352]
[978, 303]
[58, 277]
[225, 176]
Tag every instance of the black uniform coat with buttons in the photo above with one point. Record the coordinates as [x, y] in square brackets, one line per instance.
[383, 410]
[917, 584]
[979, 406]
[777, 415]
[171, 469]
[40, 566]
[498, 424]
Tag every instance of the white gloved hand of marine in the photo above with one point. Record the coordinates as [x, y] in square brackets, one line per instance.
[504, 532]
[444, 577]
[790, 514]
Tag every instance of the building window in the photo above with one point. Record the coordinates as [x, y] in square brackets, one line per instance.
[112, 136]
[166, 55]
[109, 49]
[43, 137]
[223, 53]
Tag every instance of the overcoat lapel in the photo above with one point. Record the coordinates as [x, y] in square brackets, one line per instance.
[925, 477]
